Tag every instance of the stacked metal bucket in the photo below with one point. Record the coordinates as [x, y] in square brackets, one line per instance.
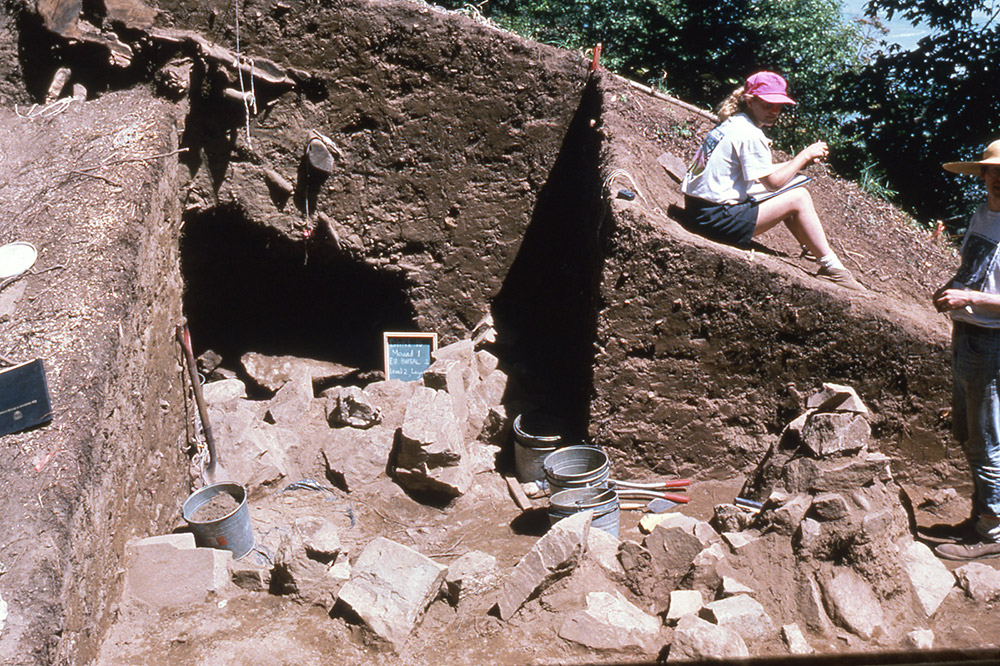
[576, 475]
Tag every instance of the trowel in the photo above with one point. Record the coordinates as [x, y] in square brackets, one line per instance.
[658, 505]
[213, 472]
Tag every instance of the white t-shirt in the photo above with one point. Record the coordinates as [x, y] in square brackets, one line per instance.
[733, 155]
[980, 268]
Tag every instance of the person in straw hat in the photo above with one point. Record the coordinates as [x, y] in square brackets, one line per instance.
[972, 298]
[734, 160]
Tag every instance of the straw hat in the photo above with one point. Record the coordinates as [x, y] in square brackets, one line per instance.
[991, 156]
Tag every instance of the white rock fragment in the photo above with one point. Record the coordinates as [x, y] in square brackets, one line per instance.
[684, 602]
[553, 556]
[793, 638]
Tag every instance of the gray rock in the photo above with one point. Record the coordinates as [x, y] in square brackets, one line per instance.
[929, 578]
[852, 603]
[731, 587]
[293, 402]
[683, 603]
[809, 604]
[431, 454]
[552, 557]
[785, 513]
[169, 571]
[742, 614]
[223, 390]
[698, 640]
[837, 397]
[304, 557]
[350, 406]
[827, 434]
[272, 372]
[794, 640]
[980, 581]
[319, 156]
[830, 506]
[486, 363]
[672, 550]
[920, 639]
[602, 548]
[730, 518]
[454, 376]
[610, 622]
[472, 574]
[390, 588]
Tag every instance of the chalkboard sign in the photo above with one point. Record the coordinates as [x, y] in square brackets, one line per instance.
[407, 355]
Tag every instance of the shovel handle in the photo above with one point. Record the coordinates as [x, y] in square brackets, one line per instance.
[184, 337]
[653, 494]
[656, 485]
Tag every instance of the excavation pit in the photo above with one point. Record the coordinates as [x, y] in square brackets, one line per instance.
[476, 177]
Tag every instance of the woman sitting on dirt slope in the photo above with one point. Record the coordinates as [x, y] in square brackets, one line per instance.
[735, 159]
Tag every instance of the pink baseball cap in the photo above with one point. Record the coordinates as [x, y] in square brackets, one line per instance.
[770, 87]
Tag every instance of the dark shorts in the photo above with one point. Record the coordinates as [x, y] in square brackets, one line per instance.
[732, 224]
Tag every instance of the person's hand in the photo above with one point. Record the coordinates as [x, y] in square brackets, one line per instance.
[946, 300]
[816, 152]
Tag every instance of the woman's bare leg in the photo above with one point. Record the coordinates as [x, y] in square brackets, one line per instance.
[794, 208]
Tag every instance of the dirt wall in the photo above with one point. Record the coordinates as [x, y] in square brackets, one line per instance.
[445, 132]
[98, 309]
[703, 357]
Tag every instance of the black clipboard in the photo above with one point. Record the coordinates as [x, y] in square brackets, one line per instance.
[24, 397]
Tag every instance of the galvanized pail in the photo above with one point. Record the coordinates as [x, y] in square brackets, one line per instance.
[576, 467]
[232, 532]
[603, 502]
[536, 435]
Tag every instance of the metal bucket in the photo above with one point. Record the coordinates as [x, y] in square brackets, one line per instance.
[603, 501]
[232, 532]
[536, 435]
[576, 467]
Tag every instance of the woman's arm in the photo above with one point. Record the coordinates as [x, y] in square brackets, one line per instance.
[784, 172]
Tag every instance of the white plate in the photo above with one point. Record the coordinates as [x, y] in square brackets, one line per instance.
[15, 258]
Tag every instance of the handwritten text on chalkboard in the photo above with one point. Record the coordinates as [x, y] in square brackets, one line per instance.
[407, 355]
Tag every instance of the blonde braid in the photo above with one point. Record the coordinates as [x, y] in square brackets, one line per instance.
[735, 103]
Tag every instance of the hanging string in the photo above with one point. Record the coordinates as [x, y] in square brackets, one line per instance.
[248, 101]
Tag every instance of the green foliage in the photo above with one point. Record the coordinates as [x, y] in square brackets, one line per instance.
[936, 103]
[700, 51]
[873, 182]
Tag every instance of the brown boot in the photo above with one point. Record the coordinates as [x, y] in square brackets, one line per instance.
[967, 551]
[840, 276]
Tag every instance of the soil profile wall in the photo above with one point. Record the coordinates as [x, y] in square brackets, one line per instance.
[98, 308]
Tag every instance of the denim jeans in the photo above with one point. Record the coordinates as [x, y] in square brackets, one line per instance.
[976, 417]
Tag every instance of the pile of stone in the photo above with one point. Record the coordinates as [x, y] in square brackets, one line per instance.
[430, 436]
[827, 561]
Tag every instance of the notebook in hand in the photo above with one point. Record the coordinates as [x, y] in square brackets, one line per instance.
[797, 181]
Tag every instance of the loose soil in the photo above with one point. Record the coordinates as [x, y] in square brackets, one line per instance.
[218, 507]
